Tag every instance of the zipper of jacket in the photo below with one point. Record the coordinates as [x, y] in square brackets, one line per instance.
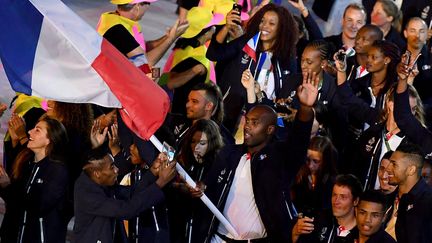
[33, 174]
[41, 230]
[370, 165]
[218, 205]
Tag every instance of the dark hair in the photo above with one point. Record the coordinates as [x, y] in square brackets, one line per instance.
[55, 151]
[214, 95]
[387, 155]
[352, 182]
[287, 31]
[374, 30]
[323, 47]
[391, 51]
[413, 153]
[96, 162]
[329, 158]
[215, 142]
[77, 118]
[374, 196]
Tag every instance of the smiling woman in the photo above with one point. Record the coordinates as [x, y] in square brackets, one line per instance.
[270, 65]
[35, 193]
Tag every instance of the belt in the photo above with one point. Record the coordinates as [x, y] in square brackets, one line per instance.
[229, 240]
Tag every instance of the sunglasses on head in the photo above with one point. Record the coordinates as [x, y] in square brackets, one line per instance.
[144, 3]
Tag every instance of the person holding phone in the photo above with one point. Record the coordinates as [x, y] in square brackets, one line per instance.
[337, 225]
[416, 33]
[274, 62]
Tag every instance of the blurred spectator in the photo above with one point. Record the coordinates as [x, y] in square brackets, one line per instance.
[388, 18]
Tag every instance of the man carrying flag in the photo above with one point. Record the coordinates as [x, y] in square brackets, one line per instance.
[50, 52]
[267, 49]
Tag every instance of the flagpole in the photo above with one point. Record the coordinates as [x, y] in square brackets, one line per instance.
[203, 198]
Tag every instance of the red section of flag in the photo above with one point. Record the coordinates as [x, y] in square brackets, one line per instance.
[144, 103]
[251, 46]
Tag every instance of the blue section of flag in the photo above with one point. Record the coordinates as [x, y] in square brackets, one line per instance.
[251, 45]
[20, 25]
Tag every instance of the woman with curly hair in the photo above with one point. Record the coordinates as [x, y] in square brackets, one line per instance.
[272, 63]
[77, 119]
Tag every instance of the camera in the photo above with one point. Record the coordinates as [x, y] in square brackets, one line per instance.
[282, 108]
[341, 55]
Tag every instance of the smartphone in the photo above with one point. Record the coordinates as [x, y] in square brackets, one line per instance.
[407, 56]
[237, 7]
[169, 151]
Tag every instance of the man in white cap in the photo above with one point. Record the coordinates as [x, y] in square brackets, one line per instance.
[122, 29]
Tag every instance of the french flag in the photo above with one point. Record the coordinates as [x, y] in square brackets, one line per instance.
[251, 46]
[49, 51]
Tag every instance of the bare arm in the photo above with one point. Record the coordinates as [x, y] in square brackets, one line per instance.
[176, 79]
[155, 54]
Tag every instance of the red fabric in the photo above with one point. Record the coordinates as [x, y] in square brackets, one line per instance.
[144, 103]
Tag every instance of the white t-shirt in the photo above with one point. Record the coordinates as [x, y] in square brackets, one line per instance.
[240, 208]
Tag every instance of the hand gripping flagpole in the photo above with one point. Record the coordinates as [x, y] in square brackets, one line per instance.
[203, 198]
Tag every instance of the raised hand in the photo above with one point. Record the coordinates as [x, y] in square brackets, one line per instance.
[232, 19]
[250, 84]
[247, 80]
[304, 225]
[177, 29]
[300, 6]
[16, 128]
[114, 140]
[97, 136]
[307, 92]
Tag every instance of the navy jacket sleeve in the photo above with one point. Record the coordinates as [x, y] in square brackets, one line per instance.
[93, 202]
[356, 106]
[408, 124]
[297, 144]
[224, 51]
[313, 28]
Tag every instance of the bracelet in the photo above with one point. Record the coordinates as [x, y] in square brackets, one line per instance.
[21, 138]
